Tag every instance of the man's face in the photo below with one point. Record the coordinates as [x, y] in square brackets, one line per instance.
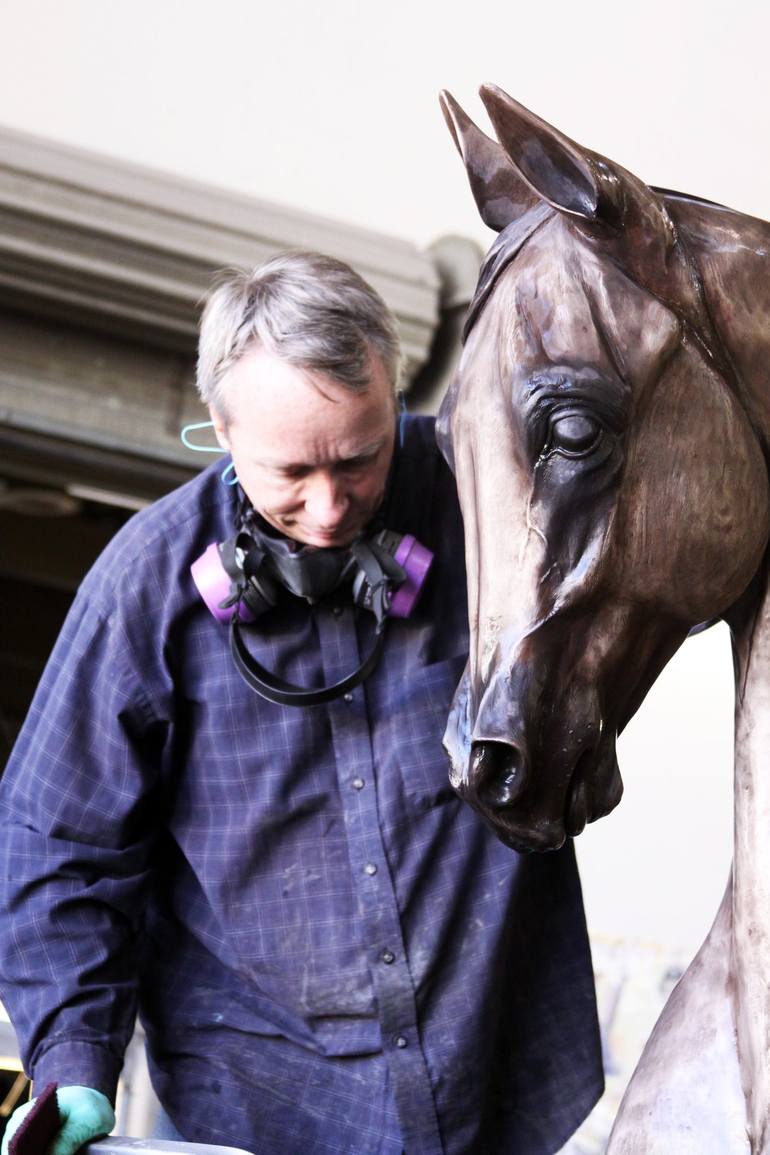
[312, 456]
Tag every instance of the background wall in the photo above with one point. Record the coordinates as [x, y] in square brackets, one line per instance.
[332, 107]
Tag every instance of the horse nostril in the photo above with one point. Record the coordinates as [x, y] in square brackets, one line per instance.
[497, 773]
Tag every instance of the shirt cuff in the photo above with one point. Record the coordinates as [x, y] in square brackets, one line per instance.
[75, 1063]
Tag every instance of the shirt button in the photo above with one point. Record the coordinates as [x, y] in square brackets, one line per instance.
[358, 783]
[347, 697]
[370, 868]
[387, 956]
[400, 1042]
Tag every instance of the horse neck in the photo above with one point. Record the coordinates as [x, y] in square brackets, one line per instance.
[732, 254]
[751, 877]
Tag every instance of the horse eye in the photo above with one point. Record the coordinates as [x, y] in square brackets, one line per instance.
[575, 433]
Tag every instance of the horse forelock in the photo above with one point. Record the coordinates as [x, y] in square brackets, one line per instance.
[508, 244]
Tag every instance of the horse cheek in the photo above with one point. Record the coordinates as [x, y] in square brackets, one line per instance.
[740, 512]
[694, 506]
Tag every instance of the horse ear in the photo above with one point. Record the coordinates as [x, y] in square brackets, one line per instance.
[567, 176]
[500, 193]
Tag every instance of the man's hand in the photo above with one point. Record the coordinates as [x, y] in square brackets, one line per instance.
[85, 1114]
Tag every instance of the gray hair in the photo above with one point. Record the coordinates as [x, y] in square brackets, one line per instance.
[310, 310]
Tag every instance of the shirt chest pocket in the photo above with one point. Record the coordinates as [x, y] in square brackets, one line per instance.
[413, 754]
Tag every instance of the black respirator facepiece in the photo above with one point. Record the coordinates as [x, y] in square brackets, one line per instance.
[243, 578]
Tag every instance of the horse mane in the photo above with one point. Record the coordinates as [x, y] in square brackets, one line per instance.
[673, 194]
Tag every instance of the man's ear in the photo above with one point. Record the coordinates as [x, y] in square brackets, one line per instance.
[220, 428]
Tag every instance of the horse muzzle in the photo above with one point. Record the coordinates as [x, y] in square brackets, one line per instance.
[536, 777]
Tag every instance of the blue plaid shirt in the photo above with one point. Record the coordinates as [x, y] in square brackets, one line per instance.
[329, 951]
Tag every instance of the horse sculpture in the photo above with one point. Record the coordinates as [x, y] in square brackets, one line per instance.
[609, 428]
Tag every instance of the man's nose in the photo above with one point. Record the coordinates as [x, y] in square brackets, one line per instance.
[326, 500]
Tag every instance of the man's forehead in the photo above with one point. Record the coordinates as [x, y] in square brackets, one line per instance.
[279, 390]
[318, 455]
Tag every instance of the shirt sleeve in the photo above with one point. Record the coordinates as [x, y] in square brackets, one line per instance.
[78, 806]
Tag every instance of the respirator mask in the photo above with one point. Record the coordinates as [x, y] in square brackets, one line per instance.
[243, 578]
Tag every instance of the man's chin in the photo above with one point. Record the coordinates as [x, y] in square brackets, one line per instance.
[316, 540]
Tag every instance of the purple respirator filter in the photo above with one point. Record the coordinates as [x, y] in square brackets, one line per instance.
[416, 561]
[214, 586]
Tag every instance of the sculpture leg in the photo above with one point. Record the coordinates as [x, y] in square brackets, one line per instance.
[685, 1095]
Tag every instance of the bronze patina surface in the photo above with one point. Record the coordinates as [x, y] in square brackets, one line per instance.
[609, 427]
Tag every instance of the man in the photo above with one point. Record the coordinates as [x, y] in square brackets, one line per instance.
[329, 951]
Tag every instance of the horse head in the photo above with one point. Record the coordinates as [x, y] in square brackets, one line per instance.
[611, 476]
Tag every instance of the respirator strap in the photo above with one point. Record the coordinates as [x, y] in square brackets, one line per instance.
[275, 689]
[380, 570]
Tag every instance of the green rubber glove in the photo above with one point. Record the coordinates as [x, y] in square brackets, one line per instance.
[85, 1114]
